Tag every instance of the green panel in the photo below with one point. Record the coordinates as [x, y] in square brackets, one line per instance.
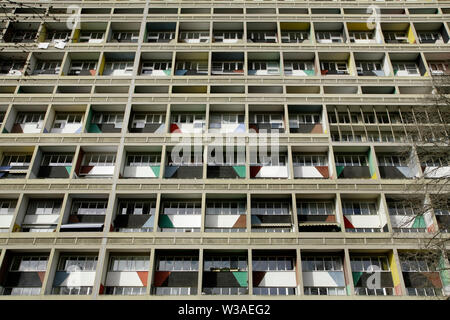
[444, 273]
[69, 169]
[310, 72]
[241, 277]
[88, 120]
[165, 222]
[93, 128]
[373, 171]
[419, 222]
[167, 72]
[356, 277]
[155, 170]
[339, 170]
[240, 170]
[5, 131]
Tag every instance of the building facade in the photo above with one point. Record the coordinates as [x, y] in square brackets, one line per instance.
[221, 149]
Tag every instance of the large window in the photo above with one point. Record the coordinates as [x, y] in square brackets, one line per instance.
[143, 160]
[89, 207]
[44, 207]
[57, 160]
[136, 207]
[273, 263]
[182, 208]
[129, 263]
[320, 263]
[99, 160]
[351, 160]
[359, 207]
[177, 263]
[315, 208]
[270, 208]
[306, 160]
[29, 263]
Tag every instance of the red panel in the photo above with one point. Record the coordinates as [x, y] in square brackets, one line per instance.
[160, 277]
[348, 224]
[174, 128]
[323, 171]
[143, 275]
[254, 171]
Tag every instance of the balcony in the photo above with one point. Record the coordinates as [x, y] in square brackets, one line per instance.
[317, 214]
[392, 166]
[310, 165]
[161, 32]
[14, 165]
[224, 64]
[7, 209]
[197, 32]
[323, 274]
[176, 272]
[142, 165]
[21, 32]
[265, 122]
[191, 64]
[439, 68]
[55, 33]
[118, 64]
[226, 122]
[75, 274]
[23, 274]
[420, 275]
[226, 215]
[441, 212]
[330, 32]
[274, 274]
[67, 123]
[187, 166]
[271, 215]
[124, 32]
[353, 166]
[225, 274]
[96, 163]
[409, 215]
[141, 122]
[156, 64]
[12, 64]
[364, 267]
[398, 33]
[305, 119]
[183, 122]
[295, 32]
[263, 64]
[45, 67]
[135, 215]
[228, 32]
[179, 215]
[86, 215]
[431, 33]
[269, 165]
[90, 32]
[54, 164]
[262, 32]
[363, 215]
[229, 164]
[435, 166]
[105, 119]
[41, 215]
[127, 274]
[334, 68]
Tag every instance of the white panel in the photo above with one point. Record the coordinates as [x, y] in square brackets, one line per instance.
[68, 128]
[324, 279]
[125, 279]
[221, 221]
[139, 172]
[437, 172]
[367, 221]
[189, 128]
[186, 221]
[279, 279]
[307, 172]
[41, 219]
[31, 127]
[225, 128]
[402, 221]
[273, 172]
[101, 171]
[80, 278]
[5, 220]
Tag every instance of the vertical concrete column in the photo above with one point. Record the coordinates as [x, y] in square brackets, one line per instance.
[151, 272]
[200, 272]
[299, 272]
[250, 271]
[294, 211]
[52, 265]
[348, 273]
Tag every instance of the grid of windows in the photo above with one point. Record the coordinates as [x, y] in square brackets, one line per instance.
[89, 207]
[177, 263]
[315, 208]
[322, 263]
[359, 207]
[270, 208]
[129, 263]
[273, 263]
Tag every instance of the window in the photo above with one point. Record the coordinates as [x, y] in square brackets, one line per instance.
[396, 37]
[429, 36]
[337, 67]
[321, 291]
[415, 264]
[149, 67]
[160, 36]
[121, 36]
[189, 36]
[99, 160]
[290, 66]
[392, 161]
[89, 207]
[118, 67]
[322, 263]
[274, 120]
[271, 67]
[94, 36]
[77, 263]
[16, 160]
[315, 208]
[270, 208]
[306, 160]
[44, 207]
[30, 118]
[227, 36]
[351, 160]
[360, 36]
[29, 263]
[410, 68]
[328, 36]
[367, 264]
[77, 67]
[188, 118]
[359, 208]
[136, 207]
[294, 37]
[268, 36]
[275, 263]
[198, 66]
[23, 36]
[268, 160]
[225, 262]
[7, 206]
[435, 162]
[143, 160]
[177, 263]
[127, 291]
[296, 119]
[57, 160]
[365, 66]
[141, 119]
[47, 67]
[108, 118]
[226, 208]
[129, 263]
[58, 35]
[62, 119]
[182, 208]
[399, 208]
[228, 66]
[195, 160]
[215, 120]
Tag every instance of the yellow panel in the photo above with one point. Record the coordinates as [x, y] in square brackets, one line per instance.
[102, 66]
[350, 64]
[43, 34]
[394, 271]
[411, 37]
[292, 26]
[76, 35]
[357, 26]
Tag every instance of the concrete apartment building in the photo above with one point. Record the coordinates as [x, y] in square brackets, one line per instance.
[315, 99]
